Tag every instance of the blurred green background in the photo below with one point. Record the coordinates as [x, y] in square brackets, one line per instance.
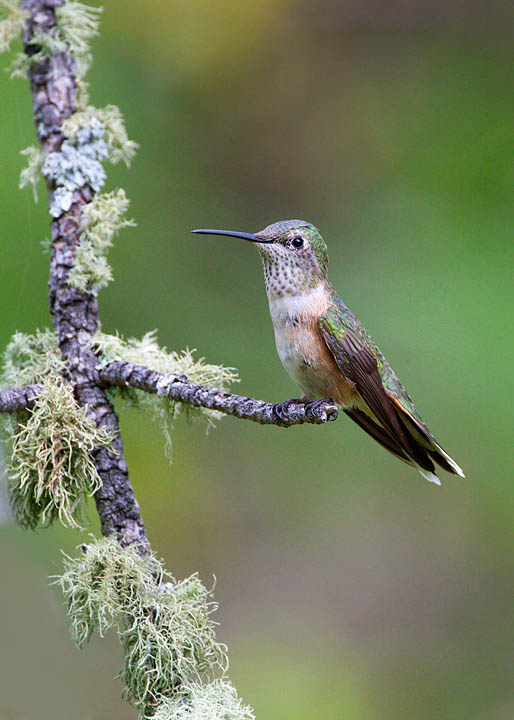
[348, 586]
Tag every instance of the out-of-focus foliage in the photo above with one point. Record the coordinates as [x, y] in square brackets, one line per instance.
[347, 586]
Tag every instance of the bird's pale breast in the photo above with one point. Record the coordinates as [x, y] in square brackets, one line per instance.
[303, 352]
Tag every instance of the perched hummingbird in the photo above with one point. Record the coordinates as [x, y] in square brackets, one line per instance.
[327, 351]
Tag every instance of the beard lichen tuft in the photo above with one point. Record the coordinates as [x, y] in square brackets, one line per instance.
[119, 146]
[102, 219]
[164, 625]
[29, 359]
[12, 21]
[31, 174]
[169, 642]
[146, 351]
[51, 469]
[217, 700]
[78, 24]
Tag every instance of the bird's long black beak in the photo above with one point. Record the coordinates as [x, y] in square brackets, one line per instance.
[231, 233]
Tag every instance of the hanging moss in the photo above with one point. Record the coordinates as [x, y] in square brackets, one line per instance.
[29, 359]
[101, 220]
[51, 469]
[164, 625]
[31, 174]
[12, 20]
[213, 701]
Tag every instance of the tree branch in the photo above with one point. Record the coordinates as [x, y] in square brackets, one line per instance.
[15, 399]
[177, 387]
[53, 82]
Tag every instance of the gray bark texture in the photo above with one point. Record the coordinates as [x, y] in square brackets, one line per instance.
[75, 313]
[177, 387]
[15, 399]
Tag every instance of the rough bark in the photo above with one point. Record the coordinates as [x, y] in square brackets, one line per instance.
[75, 313]
[15, 399]
[292, 412]
[179, 389]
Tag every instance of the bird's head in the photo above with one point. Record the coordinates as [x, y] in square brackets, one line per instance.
[294, 255]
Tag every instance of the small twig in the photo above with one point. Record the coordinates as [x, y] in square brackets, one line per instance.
[177, 387]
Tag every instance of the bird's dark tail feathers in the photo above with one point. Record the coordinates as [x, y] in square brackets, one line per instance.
[415, 445]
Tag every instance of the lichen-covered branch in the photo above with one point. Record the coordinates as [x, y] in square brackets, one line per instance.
[178, 388]
[73, 173]
[15, 399]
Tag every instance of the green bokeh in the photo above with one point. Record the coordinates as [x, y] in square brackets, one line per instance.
[348, 586]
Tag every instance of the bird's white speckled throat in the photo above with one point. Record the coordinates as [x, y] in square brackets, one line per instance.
[286, 273]
[288, 309]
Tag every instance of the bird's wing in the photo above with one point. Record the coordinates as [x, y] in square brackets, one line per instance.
[361, 362]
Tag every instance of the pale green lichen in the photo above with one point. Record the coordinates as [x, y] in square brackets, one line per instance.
[100, 584]
[164, 625]
[48, 44]
[31, 174]
[217, 700]
[12, 21]
[77, 163]
[169, 641]
[101, 220]
[51, 468]
[78, 24]
[119, 147]
[146, 351]
[30, 359]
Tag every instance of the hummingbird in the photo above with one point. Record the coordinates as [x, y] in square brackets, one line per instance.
[329, 354]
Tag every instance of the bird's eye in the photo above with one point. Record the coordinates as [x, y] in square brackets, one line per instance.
[297, 242]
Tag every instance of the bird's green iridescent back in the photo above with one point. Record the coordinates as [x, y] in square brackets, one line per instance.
[340, 320]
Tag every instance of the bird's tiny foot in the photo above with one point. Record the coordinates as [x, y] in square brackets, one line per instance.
[327, 405]
[281, 410]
